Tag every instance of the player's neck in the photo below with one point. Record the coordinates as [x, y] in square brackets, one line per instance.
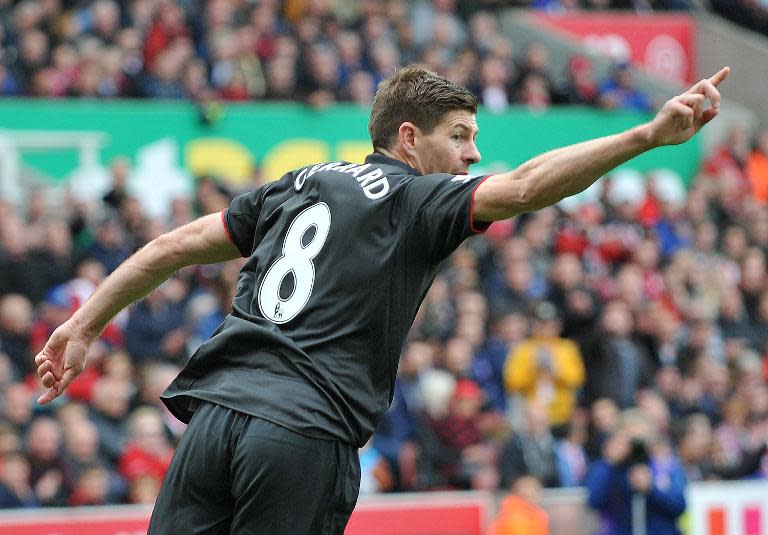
[399, 155]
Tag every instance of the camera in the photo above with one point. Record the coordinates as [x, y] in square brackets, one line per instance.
[638, 453]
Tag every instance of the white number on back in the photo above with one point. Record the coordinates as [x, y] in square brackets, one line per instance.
[296, 260]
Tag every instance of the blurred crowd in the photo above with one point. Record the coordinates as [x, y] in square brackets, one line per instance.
[618, 341]
[317, 51]
[747, 13]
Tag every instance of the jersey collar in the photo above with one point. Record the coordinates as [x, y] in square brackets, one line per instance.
[383, 159]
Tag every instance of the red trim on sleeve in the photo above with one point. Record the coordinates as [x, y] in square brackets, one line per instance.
[472, 226]
[226, 229]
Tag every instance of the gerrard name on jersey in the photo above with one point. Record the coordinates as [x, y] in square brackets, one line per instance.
[374, 184]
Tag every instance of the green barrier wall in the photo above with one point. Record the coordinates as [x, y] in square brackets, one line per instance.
[278, 137]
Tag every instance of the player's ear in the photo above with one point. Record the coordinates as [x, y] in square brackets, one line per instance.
[407, 135]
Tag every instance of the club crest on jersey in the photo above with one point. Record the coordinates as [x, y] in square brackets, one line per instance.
[462, 178]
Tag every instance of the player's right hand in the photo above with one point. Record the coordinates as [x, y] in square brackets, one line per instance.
[60, 361]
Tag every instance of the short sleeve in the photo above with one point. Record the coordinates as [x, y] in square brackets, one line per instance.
[241, 217]
[443, 210]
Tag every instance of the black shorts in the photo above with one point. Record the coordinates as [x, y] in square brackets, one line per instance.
[237, 474]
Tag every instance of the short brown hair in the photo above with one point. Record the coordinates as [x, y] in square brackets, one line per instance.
[416, 94]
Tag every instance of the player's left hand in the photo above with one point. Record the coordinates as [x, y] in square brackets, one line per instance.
[60, 361]
[684, 115]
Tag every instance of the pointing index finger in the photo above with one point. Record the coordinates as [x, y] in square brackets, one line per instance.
[721, 75]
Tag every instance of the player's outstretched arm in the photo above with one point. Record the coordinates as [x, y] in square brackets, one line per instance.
[554, 175]
[203, 241]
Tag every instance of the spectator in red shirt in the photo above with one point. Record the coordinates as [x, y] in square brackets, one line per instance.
[148, 452]
[169, 25]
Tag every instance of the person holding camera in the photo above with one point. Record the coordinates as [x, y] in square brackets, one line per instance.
[638, 485]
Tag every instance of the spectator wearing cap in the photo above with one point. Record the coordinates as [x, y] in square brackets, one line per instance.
[478, 459]
[619, 92]
[546, 368]
[454, 436]
[55, 309]
[580, 87]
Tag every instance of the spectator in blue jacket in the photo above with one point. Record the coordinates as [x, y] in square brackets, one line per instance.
[636, 480]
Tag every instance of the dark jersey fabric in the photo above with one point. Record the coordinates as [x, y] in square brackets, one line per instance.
[339, 258]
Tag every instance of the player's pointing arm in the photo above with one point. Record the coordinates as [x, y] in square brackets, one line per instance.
[203, 241]
[554, 175]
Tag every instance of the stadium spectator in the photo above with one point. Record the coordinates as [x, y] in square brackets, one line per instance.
[637, 467]
[375, 473]
[757, 168]
[694, 447]
[520, 512]
[108, 410]
[546, 369]
[455, 440]
[15, 489]
[24, 270]
[580, 86]
[16, 317]
[494, 81]
[618, 366]
[570, 452]
[395, 437]
[168, 26]
[487, 368]
[108, 247]
[81, 453]
[17, 407]
[148, 452]
[48, 474]
[531, 450]
[91, 487]
[620, 92]
[156, 329]
[55, 309]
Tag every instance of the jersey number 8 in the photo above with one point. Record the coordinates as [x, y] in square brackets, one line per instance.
[296, 260]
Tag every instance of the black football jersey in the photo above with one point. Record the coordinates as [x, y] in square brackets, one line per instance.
[340, 256]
